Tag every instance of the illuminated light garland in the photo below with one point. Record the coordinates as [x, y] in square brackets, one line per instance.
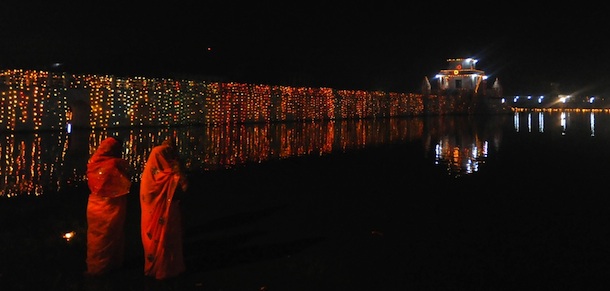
[138, 101]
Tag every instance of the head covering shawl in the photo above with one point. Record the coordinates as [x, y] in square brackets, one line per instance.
[107, 172]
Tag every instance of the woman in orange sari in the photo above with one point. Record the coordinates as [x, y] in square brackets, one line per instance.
[108, 181]
[163, 179]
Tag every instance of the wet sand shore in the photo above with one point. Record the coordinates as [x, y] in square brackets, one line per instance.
[379, 219]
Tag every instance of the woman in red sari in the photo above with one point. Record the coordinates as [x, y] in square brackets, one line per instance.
[162, 181]
[108, 181]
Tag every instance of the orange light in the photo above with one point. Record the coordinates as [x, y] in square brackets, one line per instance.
[69, 235]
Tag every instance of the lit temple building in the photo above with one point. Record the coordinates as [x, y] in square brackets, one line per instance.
[462, 75]
[462, 88]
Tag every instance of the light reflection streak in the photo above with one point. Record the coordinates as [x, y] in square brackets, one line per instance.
[462, 145]
[563, 122]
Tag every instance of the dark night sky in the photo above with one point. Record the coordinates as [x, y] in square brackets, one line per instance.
[388, 46]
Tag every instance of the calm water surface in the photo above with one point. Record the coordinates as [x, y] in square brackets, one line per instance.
[39, 163]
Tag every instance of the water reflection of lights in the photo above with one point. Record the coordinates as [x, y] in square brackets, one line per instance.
[530, 119]
[461, 159]
[37, 163]
[561, 121]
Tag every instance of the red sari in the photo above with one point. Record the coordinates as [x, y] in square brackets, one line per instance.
[161, 215]
[108, 181]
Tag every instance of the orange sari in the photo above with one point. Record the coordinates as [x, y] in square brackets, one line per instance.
[108, 181]
[161, 215]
